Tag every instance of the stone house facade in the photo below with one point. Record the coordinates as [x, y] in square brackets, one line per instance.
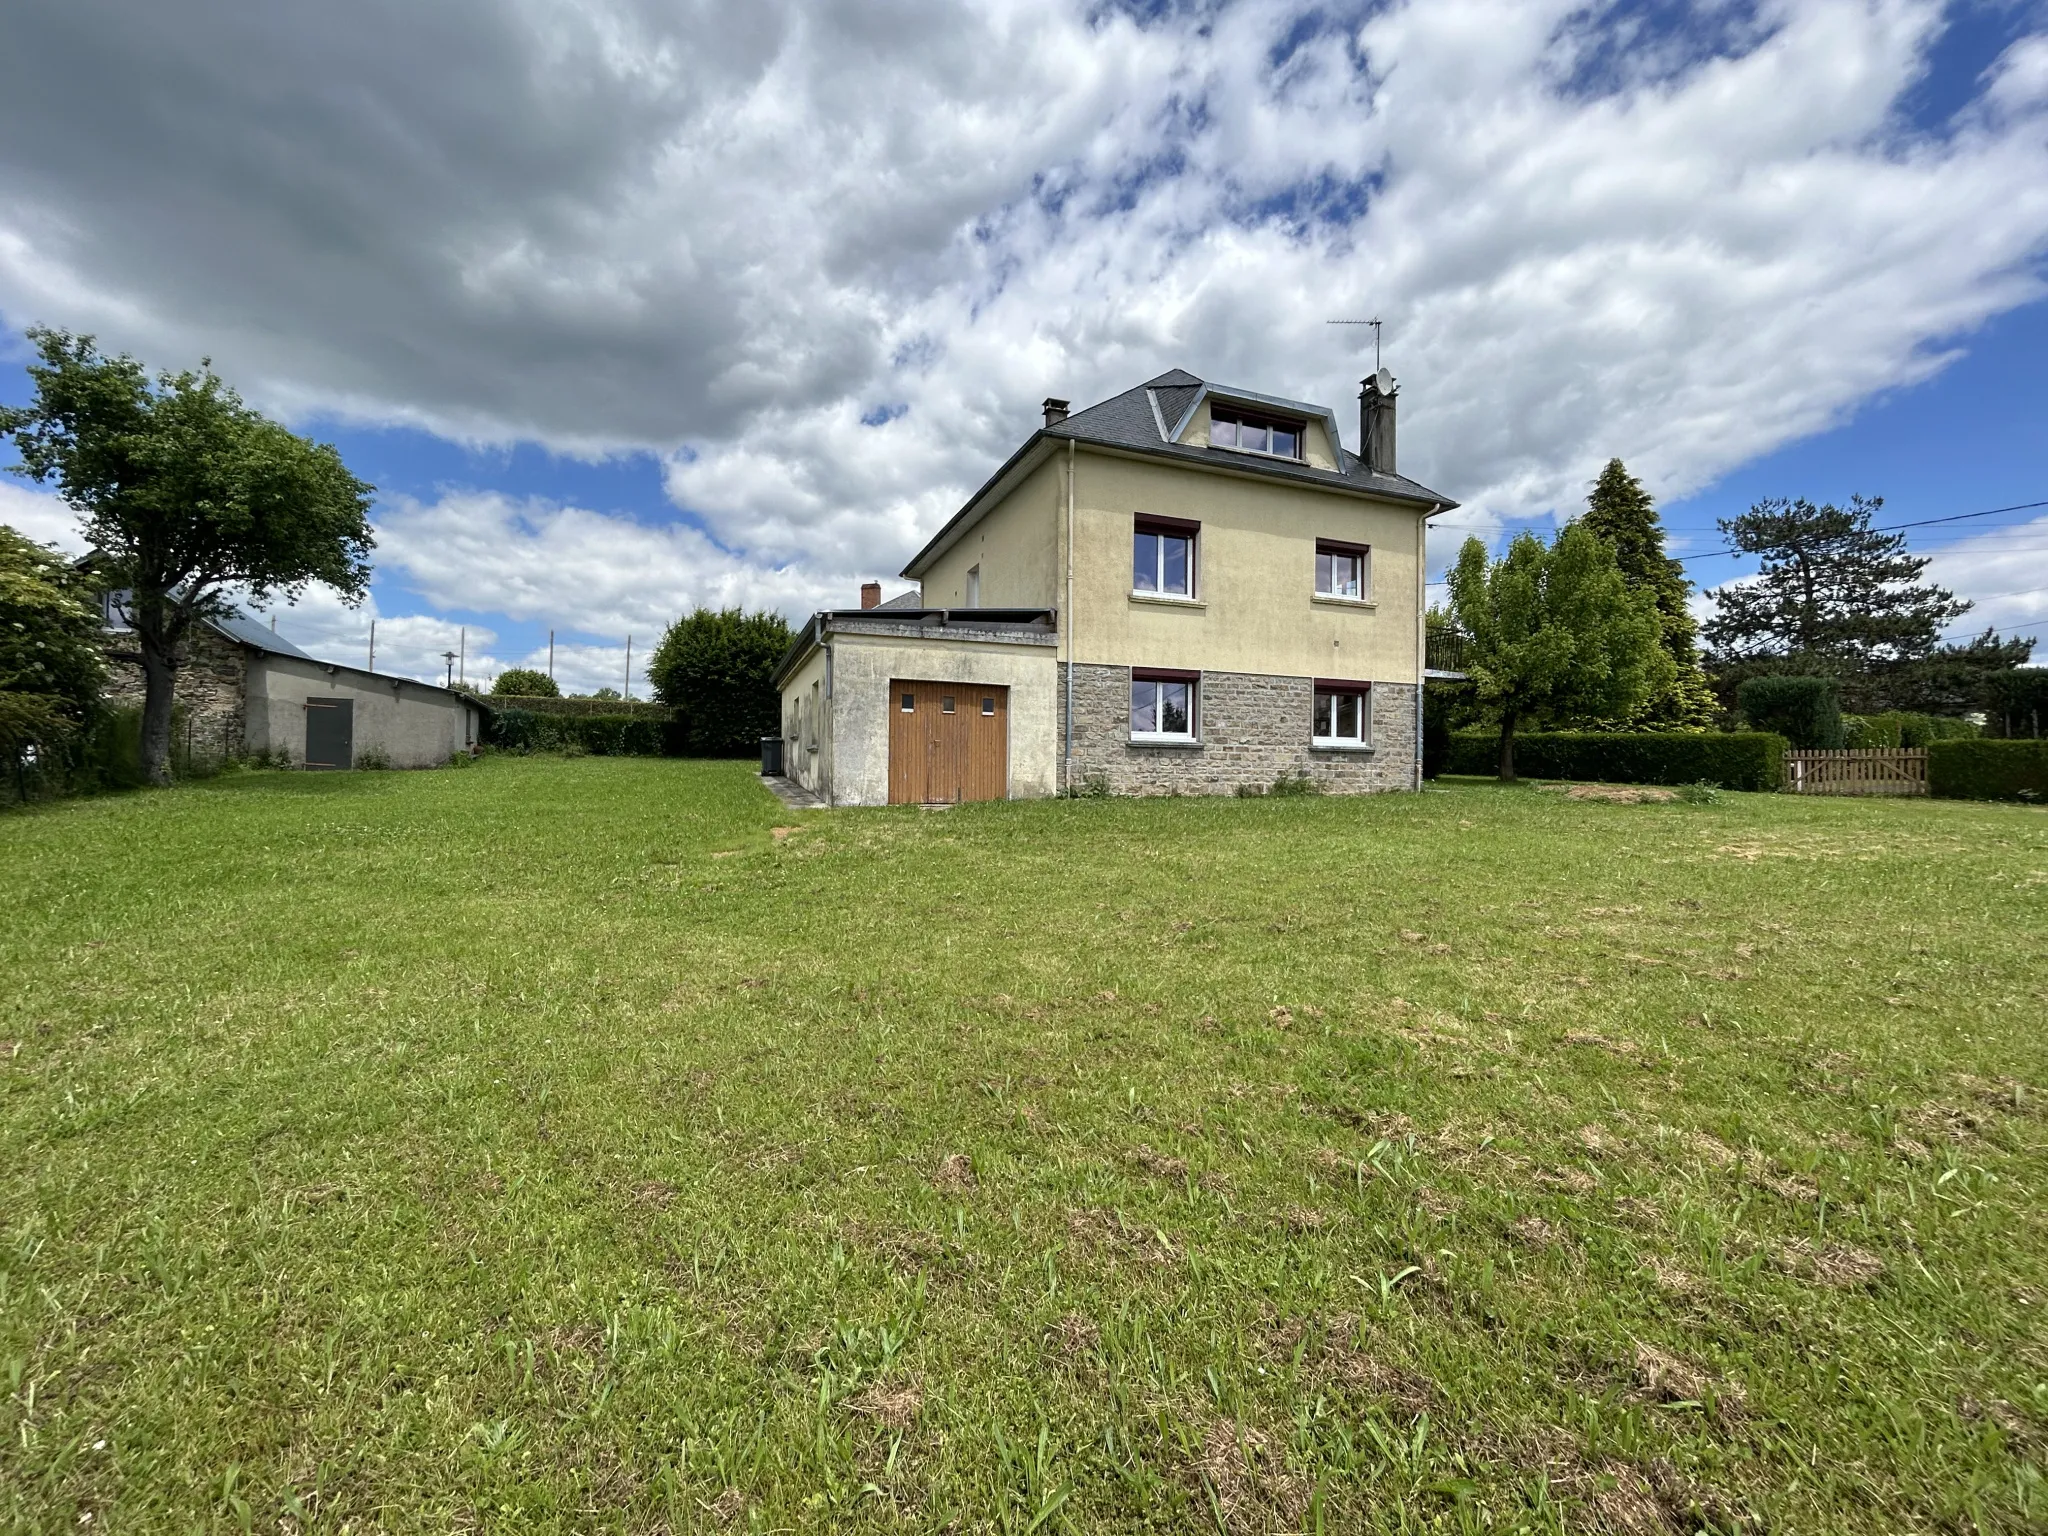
[1192, 589]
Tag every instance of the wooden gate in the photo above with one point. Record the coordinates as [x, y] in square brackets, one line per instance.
[948, 742]
[1862, 771]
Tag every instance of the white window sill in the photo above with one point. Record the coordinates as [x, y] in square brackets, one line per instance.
[1182, 742]
[1342, 602]
[1168, 599]
[1363, 748]
[1256, 453]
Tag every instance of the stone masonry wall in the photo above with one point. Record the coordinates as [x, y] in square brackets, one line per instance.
[210, 691]
[1253, 729]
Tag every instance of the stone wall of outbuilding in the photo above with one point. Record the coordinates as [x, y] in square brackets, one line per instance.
[1251, 729]
[211, 689]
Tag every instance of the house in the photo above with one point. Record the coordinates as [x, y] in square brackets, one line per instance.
[243, 690]
[1187, 588]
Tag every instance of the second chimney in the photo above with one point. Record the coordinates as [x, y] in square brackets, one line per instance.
[871, 594]
[1376, 422]
[1055, 412]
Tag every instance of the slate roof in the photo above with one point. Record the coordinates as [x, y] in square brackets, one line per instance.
[260, 636]
[1142, 420]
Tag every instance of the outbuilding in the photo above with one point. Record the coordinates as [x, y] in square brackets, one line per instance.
[244, 690]
[895, 704]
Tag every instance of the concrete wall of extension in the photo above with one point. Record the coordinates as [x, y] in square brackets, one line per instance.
[1016, 546]
[1315, 441]
[404, 723]
[856, 771]
[1250, 730]
[1254, 608]
[807, 726]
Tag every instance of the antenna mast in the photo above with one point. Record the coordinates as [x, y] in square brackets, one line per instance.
[1375, 324]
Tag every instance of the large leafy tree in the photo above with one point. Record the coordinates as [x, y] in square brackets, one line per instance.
[186, 492]
[51, 665]
[1555, 633]
[1623, 513]
[716, 671]
[525, 683]
[1834, 595]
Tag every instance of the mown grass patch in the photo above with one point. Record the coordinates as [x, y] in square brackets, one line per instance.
[574, 1145]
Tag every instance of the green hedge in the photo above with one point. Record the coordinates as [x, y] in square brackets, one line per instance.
[540, 704]
[1806, 711]
[522, 730]
[1901, 728]
[1988, 769]
[1733, 760]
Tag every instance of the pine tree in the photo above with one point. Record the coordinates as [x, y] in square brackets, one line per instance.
[1620, 511]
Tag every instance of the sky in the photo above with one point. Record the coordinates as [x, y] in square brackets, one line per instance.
[630, 306]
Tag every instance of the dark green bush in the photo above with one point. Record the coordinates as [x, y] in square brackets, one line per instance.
[1988, 769]
[1737, 760]
[2017, 702]
[517, 682]
[540, 704]
[519, 730]
[1806, 711]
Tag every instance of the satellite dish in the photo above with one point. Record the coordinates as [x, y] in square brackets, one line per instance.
[1384, 381]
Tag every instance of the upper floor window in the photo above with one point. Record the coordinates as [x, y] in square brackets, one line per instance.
[1340, 569]
[1249, 433]
[1163, 556]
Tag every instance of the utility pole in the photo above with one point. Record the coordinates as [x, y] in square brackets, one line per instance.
[373, 645]
[551, 655]
[462, 657]
[629, 669]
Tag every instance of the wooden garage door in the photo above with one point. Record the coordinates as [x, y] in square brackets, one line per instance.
[948, 742]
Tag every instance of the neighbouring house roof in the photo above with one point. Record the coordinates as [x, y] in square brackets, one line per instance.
[1148, 420]
[910, 599]
[259, 637]
[1028, 626]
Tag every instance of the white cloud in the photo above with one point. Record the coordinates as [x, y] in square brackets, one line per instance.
[40, 516]
[2004, 571]
[546, 563]
[727, 235]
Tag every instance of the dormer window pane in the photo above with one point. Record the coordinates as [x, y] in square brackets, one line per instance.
[1230, 427]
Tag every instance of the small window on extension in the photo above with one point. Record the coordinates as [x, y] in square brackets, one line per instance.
[946, 704]
[988, 706]
[909, 703]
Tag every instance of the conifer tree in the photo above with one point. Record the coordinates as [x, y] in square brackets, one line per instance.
[1621, 512]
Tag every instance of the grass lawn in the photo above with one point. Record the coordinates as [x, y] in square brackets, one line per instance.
[557, 1144]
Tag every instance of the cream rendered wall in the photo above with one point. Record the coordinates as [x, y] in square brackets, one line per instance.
[864, 665]
[807, 726]
[1255, 608]
[412, 726]
[1316, 448]
[1017, 545]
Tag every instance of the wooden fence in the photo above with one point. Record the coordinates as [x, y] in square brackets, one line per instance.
[1864, 771]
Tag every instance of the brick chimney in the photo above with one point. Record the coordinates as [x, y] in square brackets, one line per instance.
[1376, 422]
[871, 594]
[1055, 412]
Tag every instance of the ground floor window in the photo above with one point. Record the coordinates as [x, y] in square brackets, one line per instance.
[1163, 706]
[1343, 715]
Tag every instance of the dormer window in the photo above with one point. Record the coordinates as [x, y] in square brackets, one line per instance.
[1247, 432]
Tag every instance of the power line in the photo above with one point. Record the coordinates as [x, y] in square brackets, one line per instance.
[1925, 522]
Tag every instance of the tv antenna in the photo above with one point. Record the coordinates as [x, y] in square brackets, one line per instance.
[1375, 324]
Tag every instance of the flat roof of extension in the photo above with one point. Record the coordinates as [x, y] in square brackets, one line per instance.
[1030, 626]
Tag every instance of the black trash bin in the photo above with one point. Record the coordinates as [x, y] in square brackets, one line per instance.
[771, 756]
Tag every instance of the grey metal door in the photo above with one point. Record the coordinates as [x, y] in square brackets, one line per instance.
[330, 733]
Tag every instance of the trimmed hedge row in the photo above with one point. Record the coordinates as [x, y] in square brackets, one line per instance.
[525, 730]
[540, 704]
[1988, 769]
[1733, 760]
